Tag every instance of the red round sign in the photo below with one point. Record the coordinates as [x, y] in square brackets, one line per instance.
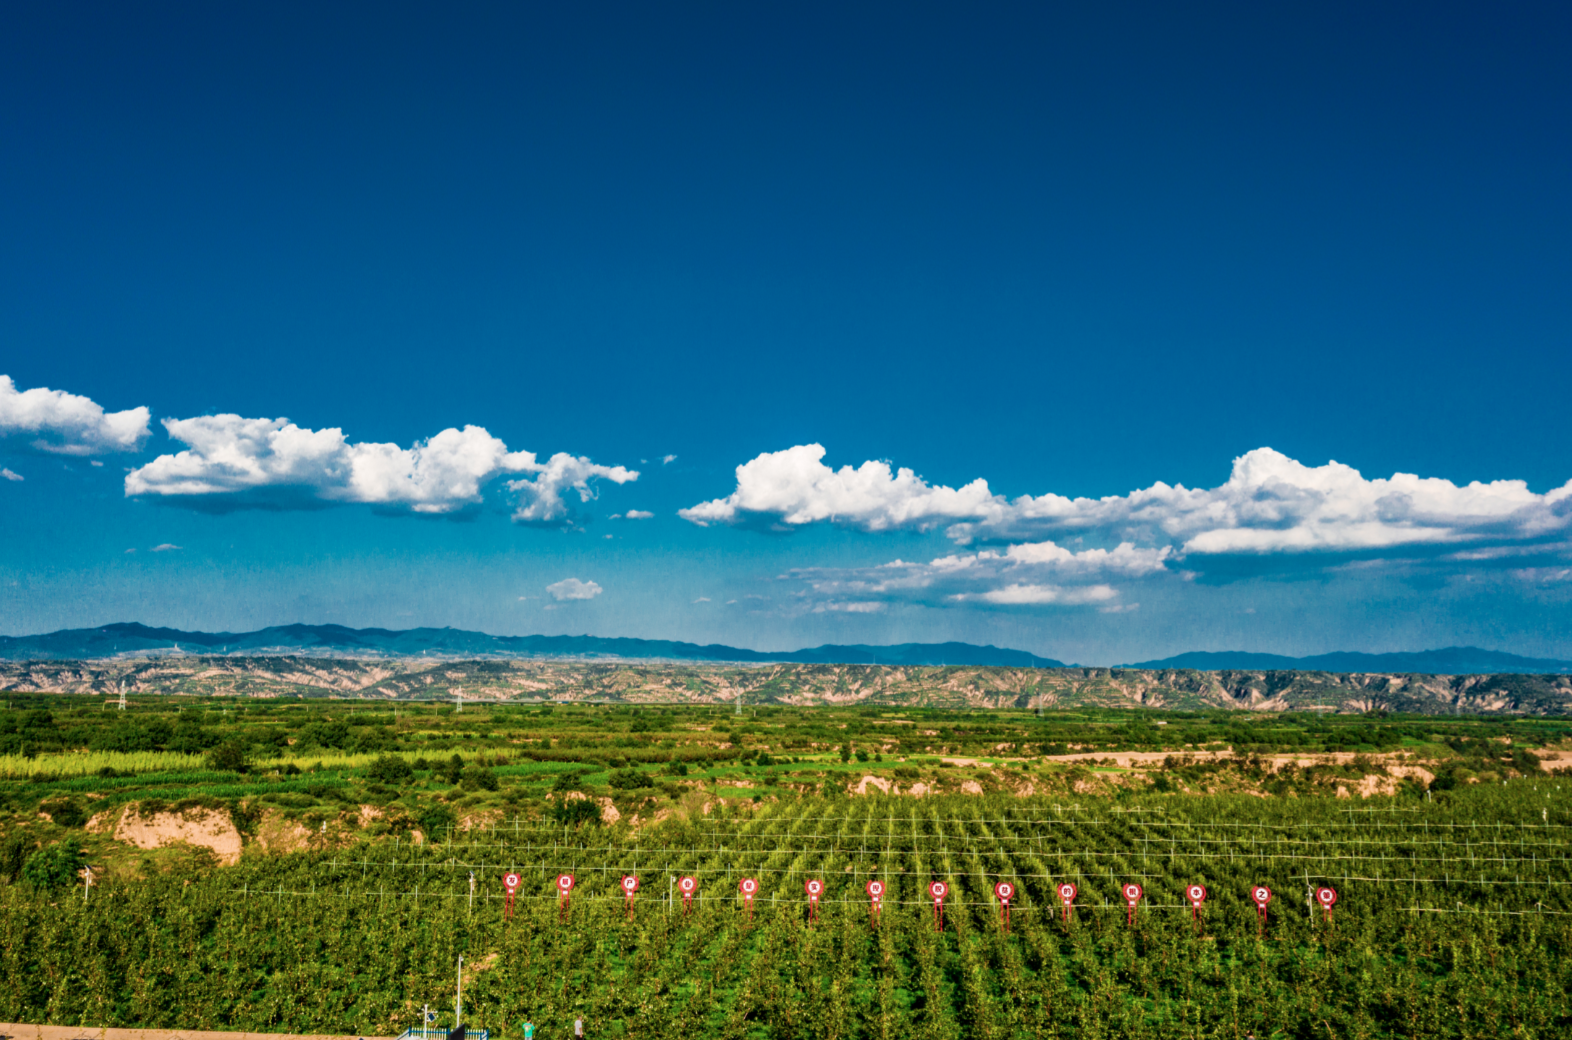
[1261, 894]
[564, 883]
[630, 884]
[1132, 893]
[876, 889]
[688, 885]
[813, 888]
[938, 889]
[511, 882]
[747, 886]
[1326, 896]
[1067, 893]
[1005, 891]
[1196, 894]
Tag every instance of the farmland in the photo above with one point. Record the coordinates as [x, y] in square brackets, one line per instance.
[357, 829]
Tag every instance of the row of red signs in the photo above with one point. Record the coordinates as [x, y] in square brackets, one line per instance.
[1196, 894]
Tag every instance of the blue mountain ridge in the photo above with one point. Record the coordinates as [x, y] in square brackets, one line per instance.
[1454, 660]
[133, 638]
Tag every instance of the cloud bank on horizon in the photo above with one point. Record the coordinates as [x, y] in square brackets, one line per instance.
[1271, 505]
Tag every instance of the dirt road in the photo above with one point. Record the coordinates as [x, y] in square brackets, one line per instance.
[18, 1031]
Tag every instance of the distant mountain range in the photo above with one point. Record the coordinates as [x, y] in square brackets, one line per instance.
[336, 640]
[1454, 660]
[333, 640]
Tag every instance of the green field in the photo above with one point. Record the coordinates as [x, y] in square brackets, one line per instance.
[1454, 915]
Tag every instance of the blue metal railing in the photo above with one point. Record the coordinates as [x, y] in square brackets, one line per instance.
[442, 1034]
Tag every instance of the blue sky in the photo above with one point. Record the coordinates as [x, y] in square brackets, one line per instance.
[1072, 254]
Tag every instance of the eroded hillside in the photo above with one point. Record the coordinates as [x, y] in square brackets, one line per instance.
[977, 687]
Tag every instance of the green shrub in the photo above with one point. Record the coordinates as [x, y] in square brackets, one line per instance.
[64, 813]
[228, 757]
[575, 812]
[435, 821]
[13, 853]
[389, 769]
[629, 780]
[480, 778]
[54, 866]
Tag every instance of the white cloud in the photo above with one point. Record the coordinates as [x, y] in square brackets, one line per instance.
[165, 547]
[862, 607]
[794, 487]
[573, 588]
[68, 424]
[666, 460]
[562, 471]
[639, 514]
[702, 599]
[1119, 608]
[1022, 575]
[231, 455]
[1270, 504]
[1273, 504]
[1022, 595]
[8, 475]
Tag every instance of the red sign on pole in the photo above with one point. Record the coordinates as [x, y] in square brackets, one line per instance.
[1132, 899]
[687, 886]
[1326, 897]
[1261, 895]
[1067, 897]
[1196, 894]
[1005, 891]
[938, 890]
[815, 889]
[748, 887]
[564, 892]
[876, 894]
[510, 882]
[630, 885]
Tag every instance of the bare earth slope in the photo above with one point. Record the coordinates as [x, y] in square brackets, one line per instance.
[797, 684]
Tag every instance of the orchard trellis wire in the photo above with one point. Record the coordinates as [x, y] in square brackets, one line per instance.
[1422, 858]
[1433, 910]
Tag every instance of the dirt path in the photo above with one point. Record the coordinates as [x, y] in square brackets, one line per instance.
[17, 1031]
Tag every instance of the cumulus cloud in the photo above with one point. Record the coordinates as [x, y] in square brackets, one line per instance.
[795, 487]
[573, 588]
[543, 503]
[1270, 504]
[1274, 504]
[68, 424]
[165, 547]
[1031, 574]
[276, 462]
[666, 460]
[8, 475]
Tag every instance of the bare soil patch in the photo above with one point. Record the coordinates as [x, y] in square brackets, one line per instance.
[208, 828]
